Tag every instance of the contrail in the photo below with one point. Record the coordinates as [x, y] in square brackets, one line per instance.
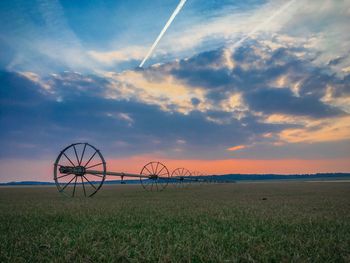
[176, 11]
[262, 25]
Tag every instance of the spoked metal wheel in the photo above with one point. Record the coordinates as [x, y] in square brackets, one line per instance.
[182, 176]
[71, 170]
[154, 176]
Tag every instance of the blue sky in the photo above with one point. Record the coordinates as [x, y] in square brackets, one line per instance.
[71, 34]
[68, 72]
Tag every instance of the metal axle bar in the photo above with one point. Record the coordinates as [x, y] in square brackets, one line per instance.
[116, 174]
[133, 175]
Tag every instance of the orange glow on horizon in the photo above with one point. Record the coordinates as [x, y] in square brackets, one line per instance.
[243, 166]
[42, 170]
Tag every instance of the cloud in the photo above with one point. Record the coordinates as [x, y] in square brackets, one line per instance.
[281, 98]
[270, 101]
[326, 23]
[164, 91]
[33, 116]
[52, 33]
[232, 23]
[336, 61]
[326, 130]
[266, 95]
[236, 148]
[109, 58]
[263, 79]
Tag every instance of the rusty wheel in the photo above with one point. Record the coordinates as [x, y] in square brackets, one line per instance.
[71, 170]
[154, 176]
[182, 176]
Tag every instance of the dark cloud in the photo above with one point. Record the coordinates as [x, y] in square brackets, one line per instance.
[195, 101]
[35, 123]
[283, 101]
[38, 122]
[205, 70]
[337, 61]
[256, 69]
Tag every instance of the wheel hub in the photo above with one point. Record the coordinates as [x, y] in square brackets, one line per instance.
[77, 170]
[153, 176]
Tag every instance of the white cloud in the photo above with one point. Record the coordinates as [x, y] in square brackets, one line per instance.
[167, 92]
[326, 23]
[37, 79]
[320, 25]
[114, 57]
[342, 102]
[226, 29]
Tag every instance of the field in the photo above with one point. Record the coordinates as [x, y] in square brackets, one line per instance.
[244, 222]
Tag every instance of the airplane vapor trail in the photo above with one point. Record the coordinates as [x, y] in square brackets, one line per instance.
[262, 25]
[176, 11]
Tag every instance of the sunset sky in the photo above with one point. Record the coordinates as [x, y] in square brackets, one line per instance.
[253, 86]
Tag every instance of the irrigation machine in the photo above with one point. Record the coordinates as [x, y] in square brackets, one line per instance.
[80, 169]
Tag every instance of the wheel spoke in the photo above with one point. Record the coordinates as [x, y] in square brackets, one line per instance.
[156, 167]
[82, 181]
[67, 184]
[90, 159]
[69, 159]
[63, 175]
[76, 155]
[93, 165]
[75, 183]
[89, 182]
[153, 182]
[152, 168]
[161, 169]
[148, 170]
[66, 175]
[82, 155]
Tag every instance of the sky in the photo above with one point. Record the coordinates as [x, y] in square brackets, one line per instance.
[233, 86]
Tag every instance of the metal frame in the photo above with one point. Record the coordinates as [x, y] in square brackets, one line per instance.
[182, 176]
[74, 176]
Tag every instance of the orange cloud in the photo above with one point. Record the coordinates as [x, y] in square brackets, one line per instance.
[236, 148]
[335, 129]
[166, 92]
[313, 130]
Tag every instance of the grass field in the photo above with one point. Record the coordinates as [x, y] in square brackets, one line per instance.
[245, 222]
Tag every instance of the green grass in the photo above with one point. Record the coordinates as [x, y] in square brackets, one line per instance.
[299, 222]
